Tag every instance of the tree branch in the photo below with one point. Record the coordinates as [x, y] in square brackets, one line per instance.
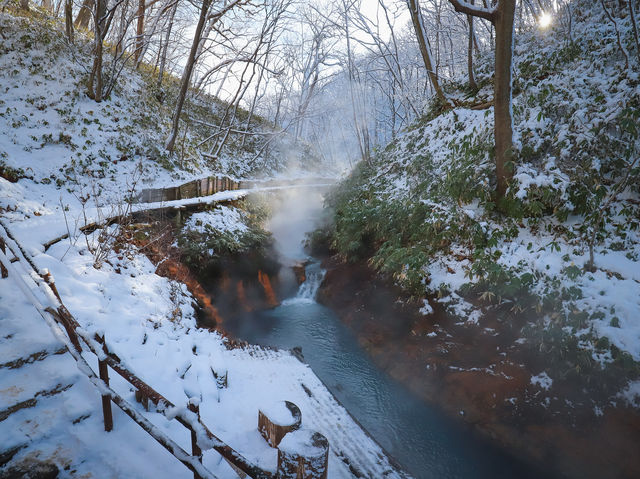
[483, 12]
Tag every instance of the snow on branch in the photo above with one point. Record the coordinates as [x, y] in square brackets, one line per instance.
[487, 13]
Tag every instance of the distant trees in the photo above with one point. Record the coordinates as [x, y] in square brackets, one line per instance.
[205, 16]
[389, 63]
[425, 47]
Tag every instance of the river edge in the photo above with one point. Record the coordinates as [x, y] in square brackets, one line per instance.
[166, 256]
[470, 373]
[491, 391]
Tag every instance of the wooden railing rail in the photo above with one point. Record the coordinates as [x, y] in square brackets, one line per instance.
[202, 438]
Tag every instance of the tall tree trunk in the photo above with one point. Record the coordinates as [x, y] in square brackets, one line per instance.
[95, 79]
[503, 128]
[68, 19]
[425, 48]
[501, 16]
[84, 15]
[24, 5]
[122, 28]
[472, 81]
[632, 15]
[165, 46]
[139, 31]
[186, 75]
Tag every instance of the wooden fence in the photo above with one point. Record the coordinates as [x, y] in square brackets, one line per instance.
[193, 189]
[66, 328]
[202, 438]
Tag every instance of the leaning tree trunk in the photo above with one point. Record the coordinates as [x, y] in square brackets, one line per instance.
[84, 15]
[425, 48]
[503, 128]
[165, 46]
[186, 75]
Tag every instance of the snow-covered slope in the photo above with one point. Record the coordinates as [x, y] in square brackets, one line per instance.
[424, 213]
[148, 322]
[66, 161]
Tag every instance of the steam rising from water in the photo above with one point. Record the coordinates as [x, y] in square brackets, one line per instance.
[296, 211]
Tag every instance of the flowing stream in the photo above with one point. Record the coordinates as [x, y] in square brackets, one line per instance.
[425, 442]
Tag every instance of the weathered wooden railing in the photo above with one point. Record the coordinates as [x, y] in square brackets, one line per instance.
[290, 465]
[192, 189]
[202, 438]
[214, 184]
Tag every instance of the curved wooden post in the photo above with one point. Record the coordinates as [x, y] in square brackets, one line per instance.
[277, 420]
[303, 454]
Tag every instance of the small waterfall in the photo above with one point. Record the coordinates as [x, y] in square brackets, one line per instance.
[308, 290]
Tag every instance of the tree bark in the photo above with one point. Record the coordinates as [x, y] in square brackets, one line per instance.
[139, 31]
[186, 75]
[472, 81]
[425, 48]
[163, 57]
[84, 15]
[95, 79]
[501, 15]
[24, 5]
[632, 15]
[68, 19]
[503, 128]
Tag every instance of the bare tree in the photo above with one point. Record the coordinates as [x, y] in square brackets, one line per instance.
[139, 31]
[472, 80]
[68, 19]
[84, 15]
[632, 15]
[188, 70]
[164, 46]
[425, 47]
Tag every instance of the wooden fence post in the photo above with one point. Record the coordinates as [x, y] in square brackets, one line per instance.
[278, 419]
[303, 454]
[106, 399]
[195, 449]
[3, 270]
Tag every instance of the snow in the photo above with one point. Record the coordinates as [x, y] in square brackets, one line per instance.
[542, 380]
[302, 443]
[70, 149]
[631, 394]
[136, 311]
[278, 413]
[222, 218]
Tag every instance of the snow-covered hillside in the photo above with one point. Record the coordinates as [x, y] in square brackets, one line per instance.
[66, 161]
[423, 211]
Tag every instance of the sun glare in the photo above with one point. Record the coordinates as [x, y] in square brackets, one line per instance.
[545, 20]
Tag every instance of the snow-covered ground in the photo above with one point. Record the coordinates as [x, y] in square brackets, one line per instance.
[148, 321]
[77, 161]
